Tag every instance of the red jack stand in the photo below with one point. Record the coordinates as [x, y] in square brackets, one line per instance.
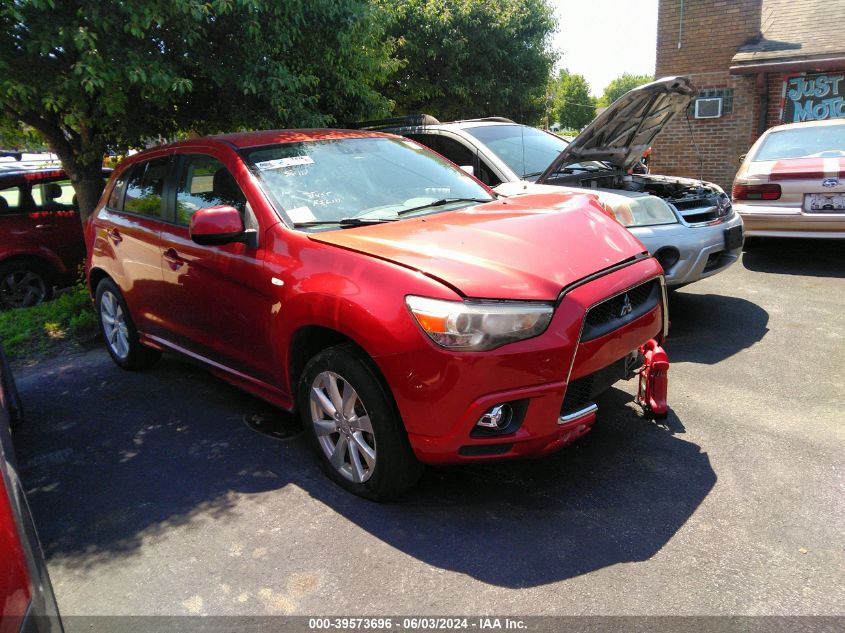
[654, 381]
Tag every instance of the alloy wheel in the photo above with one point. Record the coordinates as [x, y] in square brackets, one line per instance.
[114, 324]
[343, 427]
[23, 288]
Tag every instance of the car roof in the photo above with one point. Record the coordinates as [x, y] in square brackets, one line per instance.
[803, 124]
[242, 140]
[451, 125]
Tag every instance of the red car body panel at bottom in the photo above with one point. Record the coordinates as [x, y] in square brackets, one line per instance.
[15, 585]
[245, 309]
[27, 602]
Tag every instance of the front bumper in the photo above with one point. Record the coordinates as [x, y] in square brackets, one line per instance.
[701, 247]
[776, 221]
[441, 394]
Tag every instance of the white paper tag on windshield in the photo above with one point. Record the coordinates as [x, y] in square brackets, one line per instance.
[280, 163]
[301, 214]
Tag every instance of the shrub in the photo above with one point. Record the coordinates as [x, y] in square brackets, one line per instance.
[70, 317]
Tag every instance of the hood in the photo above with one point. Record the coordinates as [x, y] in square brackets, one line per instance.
[621, 133]
[526, 248]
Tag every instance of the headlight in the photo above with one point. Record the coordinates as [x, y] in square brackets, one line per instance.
[644, 211]
[459, 325]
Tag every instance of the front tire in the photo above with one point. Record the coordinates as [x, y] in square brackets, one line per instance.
[119, 331]
[354, 426]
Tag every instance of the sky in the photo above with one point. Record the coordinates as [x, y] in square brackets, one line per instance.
[601, 39]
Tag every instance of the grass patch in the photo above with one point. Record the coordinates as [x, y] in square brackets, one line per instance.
[30, 331]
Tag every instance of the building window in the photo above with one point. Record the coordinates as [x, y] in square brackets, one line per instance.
[727, 95]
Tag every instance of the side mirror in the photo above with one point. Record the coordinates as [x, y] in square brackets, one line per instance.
[213, 226]
[468, 169]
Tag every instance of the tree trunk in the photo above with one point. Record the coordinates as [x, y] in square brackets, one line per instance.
[87, 180]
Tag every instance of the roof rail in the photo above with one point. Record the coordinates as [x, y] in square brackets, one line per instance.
[495, 119]
[410, 120]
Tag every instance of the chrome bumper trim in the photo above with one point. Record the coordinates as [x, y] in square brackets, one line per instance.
[590, 408]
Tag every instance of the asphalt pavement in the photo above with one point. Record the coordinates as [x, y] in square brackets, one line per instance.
[153, 495]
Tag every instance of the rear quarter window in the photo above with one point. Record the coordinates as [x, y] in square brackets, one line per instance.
[10, 199]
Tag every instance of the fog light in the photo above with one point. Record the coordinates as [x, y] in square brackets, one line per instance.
[668, 256]
[497, 417]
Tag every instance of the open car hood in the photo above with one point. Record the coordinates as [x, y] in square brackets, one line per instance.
[621, 134]
[528, 247]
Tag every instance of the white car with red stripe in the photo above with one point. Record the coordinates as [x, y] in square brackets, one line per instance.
[792, 182]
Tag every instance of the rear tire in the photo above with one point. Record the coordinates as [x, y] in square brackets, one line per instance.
[25, 283]
[354, 425]
[119, 331]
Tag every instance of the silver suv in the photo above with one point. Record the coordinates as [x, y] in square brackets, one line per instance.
[687, 224]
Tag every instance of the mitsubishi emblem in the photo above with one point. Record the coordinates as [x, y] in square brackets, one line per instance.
[626, 306]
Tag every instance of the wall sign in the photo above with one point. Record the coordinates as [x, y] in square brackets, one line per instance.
[813, 97]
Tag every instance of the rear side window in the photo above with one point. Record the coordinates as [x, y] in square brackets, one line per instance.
[144, 187]
[205, 182]
[454, 151]
[56, 195]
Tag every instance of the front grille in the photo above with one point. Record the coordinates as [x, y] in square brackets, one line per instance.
[608, 315]
[578, 395]
[581, 392]
[696, 209]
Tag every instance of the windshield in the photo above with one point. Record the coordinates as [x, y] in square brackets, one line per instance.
[526, 150]
[354, 180]
[815, 141]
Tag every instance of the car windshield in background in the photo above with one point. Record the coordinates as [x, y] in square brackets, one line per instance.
[816, 142]
[526, 150]
[351, 181]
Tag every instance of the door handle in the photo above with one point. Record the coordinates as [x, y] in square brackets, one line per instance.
[114, 234]
[172, 258]
[45, 227]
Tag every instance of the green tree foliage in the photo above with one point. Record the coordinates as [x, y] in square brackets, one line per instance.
[90, 75]
[471, 58]
[572, 105]
[16, 136]
[621, 85]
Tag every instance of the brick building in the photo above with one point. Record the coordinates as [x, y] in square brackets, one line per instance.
[768, 61]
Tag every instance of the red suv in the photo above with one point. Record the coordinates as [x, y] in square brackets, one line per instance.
[41, 240]
[408, 314]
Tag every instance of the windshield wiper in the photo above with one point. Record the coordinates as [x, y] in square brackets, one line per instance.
[441, 202]
[343, 222]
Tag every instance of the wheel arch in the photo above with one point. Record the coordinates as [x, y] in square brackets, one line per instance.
[309, 340]
[53, 265]
[95, 276]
